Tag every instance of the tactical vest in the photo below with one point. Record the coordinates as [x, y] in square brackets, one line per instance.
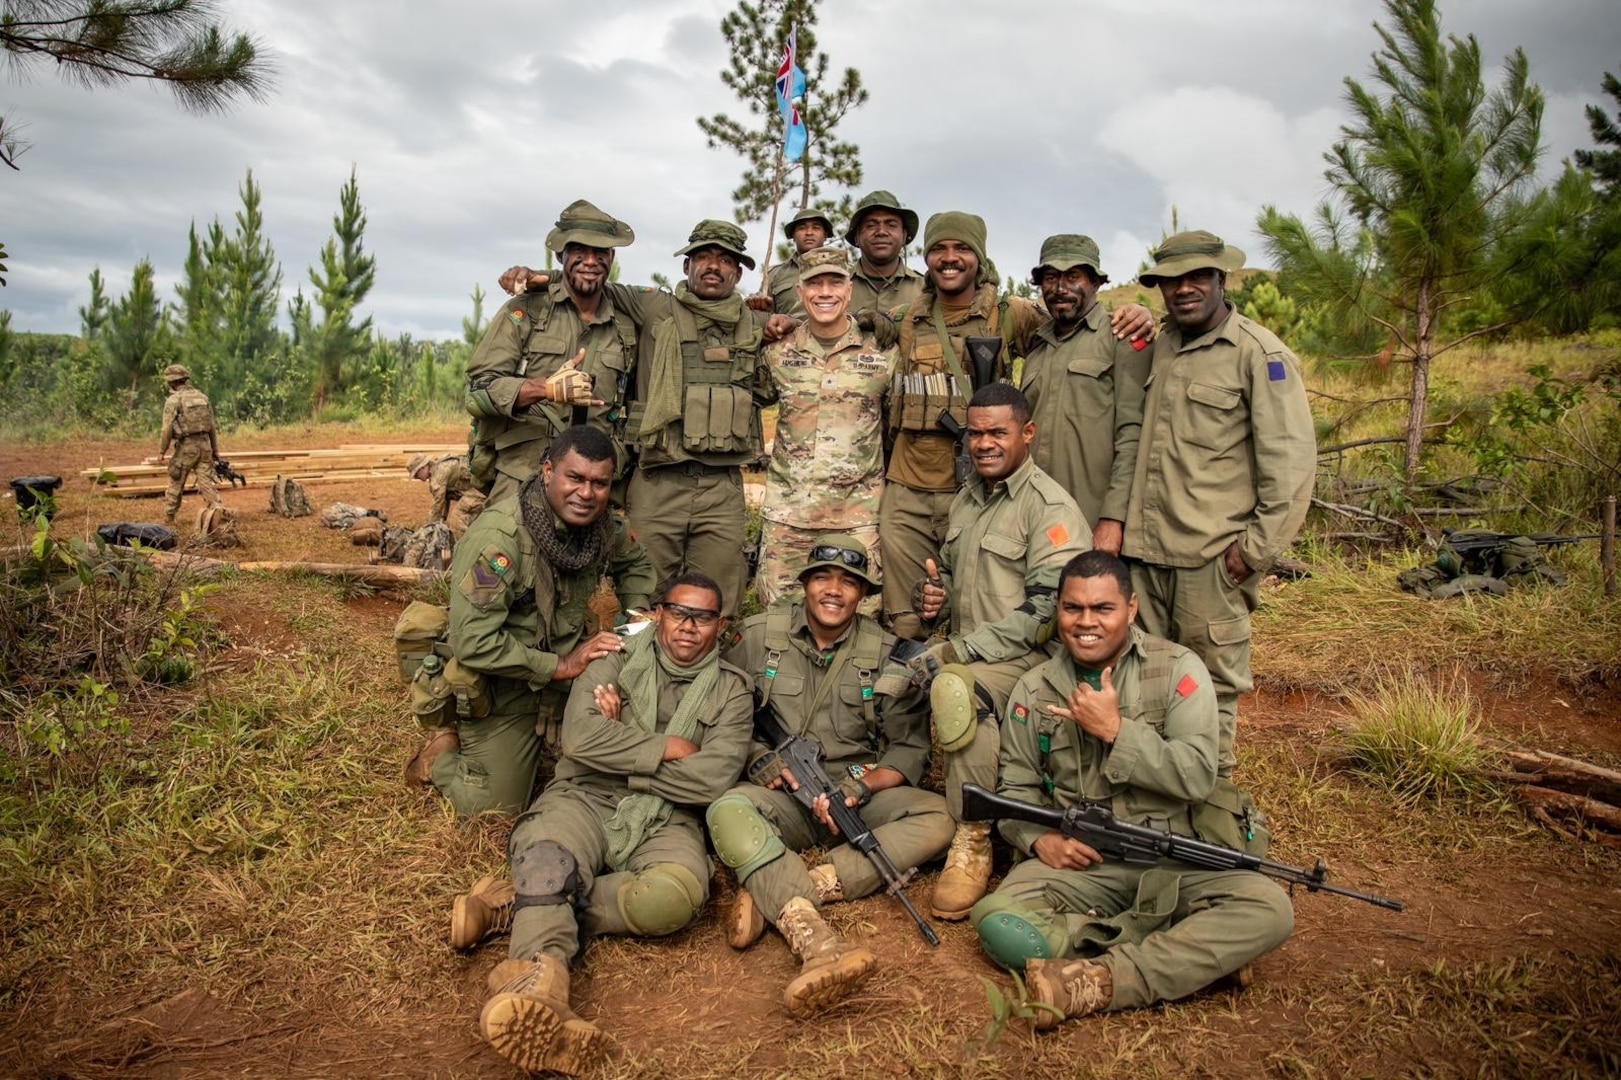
[922, 352]
[866, 654]
[717, 386]
[194, 416]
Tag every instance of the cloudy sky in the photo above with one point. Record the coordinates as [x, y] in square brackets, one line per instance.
[471, 124]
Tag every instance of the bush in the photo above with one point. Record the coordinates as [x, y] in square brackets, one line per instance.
[1418, 738]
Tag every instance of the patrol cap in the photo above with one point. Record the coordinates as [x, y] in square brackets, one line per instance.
[582, 223]
[1067, 251]
[415, 465]
[1189, 251]
[844, 552]
[881, 200]
[721, 234]
[176, 373]
[809, 213]
[826, 260]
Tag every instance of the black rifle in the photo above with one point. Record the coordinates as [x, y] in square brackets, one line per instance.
[1467, 543]
[1096, 826]
[223, 471]
[803, 757]
[965, 464]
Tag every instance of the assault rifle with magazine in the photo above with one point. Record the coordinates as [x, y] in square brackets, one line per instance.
[1095, 825]
[223, 471]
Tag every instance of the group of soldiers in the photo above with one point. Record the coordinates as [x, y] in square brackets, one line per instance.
[1058, 517]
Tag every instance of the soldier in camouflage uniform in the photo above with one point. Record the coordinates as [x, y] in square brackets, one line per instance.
[1224, 471]
[1127, 720]
[615, 844]
[552, 357]
[1011, 530]
[807, 230]
[1085, 387]
[447, 478]
[522, 580]
[188, 425]
[881, 228]
[827, 461]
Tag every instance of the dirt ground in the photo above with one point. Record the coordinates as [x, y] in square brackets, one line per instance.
[1525, 914]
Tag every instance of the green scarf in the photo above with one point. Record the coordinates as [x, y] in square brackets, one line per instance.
[640, 815]
[664, 399]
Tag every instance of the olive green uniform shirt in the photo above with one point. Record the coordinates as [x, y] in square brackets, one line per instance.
[782, 285]
[513, 614]
[1005, 546]
[900, 739]
[884, 294]
[1161, 764]
[1228, 451]
[1086, 397]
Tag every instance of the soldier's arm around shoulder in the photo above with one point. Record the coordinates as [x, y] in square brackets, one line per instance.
[1284, 443]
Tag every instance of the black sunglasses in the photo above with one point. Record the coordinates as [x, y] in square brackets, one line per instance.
[696, 616]
[828, 553]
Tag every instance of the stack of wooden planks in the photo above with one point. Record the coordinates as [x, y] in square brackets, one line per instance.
[354, 461]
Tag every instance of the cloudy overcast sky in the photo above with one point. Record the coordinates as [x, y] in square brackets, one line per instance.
[471, 124]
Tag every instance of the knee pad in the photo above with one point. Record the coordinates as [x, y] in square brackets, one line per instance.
[744, 839]
[543, 874]
[954, 707]
[1011, 933]
[660, 900]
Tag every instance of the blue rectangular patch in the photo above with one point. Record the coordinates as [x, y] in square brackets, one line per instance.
[1276, 370]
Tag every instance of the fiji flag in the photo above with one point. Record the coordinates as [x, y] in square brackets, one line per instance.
[790, 90]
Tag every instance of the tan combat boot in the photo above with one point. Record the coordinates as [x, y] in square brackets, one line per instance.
[829, 889]
[830, 967]
[482, 913]
[419, 770]
[968, 871]
[1073, 987]
[527, 1019]
[746, 924]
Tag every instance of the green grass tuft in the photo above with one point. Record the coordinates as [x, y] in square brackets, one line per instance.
[1418, 738]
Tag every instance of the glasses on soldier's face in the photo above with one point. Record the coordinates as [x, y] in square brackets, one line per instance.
[700, 617]
[828, 553]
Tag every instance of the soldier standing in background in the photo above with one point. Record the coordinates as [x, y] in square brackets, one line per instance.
[807, 230]
[881, 228]
[1224, 472]
[188, 425]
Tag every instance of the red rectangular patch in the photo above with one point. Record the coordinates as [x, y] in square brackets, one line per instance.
[1187, 686]
[1058, 535]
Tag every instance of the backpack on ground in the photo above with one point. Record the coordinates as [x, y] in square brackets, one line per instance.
[149, 533]
[289, 499]
[216, 527]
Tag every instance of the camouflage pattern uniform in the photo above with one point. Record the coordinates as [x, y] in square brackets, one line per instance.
[188, 425]
[512, 616]
[1228, 454]
[827, 460]
[883, 294]
[531, 337]
[1163, 930]
[448, 481]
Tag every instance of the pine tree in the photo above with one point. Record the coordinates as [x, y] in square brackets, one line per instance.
[93, 316]
[342, 282]
[136, 335]
[1604, 163]
[473, 327]
[250, 283]
[199, 313]
[755, 34]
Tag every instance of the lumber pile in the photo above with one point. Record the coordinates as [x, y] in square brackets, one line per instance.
[1564, 793]
[352, 461]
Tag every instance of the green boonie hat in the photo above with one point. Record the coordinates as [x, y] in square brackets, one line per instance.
[721, 234]
[881, 200]
[1190, 251]
[1066, 251]
[582, 223]
[844, 552]
[825, 260]
[807, 214]
[176, 373]
[415, 465]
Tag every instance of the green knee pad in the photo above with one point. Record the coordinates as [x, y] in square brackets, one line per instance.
[744, 839]
[951, 697]
[660, 900]
[1011, 933]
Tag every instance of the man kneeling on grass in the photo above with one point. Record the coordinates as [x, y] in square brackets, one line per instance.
[615, 844]
[1129, 720]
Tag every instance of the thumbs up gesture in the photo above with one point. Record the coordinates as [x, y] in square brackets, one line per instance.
[933, 596]
[568, 385]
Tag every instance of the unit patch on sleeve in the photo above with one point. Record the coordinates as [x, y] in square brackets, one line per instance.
[1187, 686]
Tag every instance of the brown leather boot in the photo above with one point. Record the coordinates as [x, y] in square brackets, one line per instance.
[481, 913]
[419, 770]
[528, 1020]
[746, 924]
[1072, 987]
[967, 874]
[830, 967]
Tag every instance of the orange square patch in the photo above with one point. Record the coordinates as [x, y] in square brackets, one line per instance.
[1187, 686]
[1058, 535]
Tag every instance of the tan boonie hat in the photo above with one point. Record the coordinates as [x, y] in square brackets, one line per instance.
[1067, 251]
[848, 554]
[721, 234]
[819, 261]
[582, 223]
[881, 200]
[1190, 251]
[176, 373]
[415, 465]
[807, 214]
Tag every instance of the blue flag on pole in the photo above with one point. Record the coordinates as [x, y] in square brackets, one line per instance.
[790, 91]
